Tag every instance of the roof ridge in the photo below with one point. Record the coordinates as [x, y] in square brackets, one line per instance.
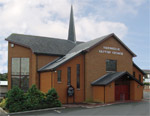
[39, 36]
[84, 43]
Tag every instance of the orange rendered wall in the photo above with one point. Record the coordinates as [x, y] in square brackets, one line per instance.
[45, 81]
[36, 62]
[104, 94]
[110, 93]
[18, 52]
[98, 94]
[136, 91]
[61, 87]
[95, 63]
[42, 60]
[137, 73]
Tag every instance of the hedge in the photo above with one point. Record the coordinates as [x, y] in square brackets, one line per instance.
[17, 100]
[146, 83]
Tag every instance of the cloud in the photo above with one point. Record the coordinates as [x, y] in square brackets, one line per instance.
[3, 61]
[127, 6]
[51, 18]
[88, 29]
[110, 8]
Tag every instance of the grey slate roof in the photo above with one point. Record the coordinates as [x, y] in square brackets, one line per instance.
[43, 45]
[71, 54]
[139, 69]
[90, 44]
[78, 49]
[58, 62]
[109, 77]
[87, 45]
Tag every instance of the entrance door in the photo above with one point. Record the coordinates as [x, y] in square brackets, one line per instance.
[122, 92]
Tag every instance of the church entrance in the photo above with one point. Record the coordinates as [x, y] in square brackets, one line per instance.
[122, 89]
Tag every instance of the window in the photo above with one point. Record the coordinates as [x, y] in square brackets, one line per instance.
[78, 76]
[111, 65]
[69, 76]
[140, 78]
[59, 75]
[20, 73]
[134, 74]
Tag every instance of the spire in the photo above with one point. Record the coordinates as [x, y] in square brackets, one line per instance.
[71, 31]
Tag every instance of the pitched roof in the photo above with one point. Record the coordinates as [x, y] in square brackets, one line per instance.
[59, 61]
[90, 44]
[43, 45]
[139, 69]
[78, 49]
[109, 77]
[71, 54]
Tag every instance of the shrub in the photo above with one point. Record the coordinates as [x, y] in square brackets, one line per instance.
[3, 103]
[15, 100]
[34, 98]
[52, 98]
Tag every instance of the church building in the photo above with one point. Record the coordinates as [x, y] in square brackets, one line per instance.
[100, 70]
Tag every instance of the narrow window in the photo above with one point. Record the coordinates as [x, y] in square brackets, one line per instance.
[111, 65]
[134, 74]
[24, 70]
[140, 78]
[59, 76]
[69, 76]
[78, 76]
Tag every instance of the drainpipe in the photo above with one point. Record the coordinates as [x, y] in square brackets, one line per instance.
[39, 80]
[52, 79]
[104, 94]
[84, 74]
[37, 73]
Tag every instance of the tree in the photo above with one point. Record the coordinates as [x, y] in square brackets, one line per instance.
[3, 77]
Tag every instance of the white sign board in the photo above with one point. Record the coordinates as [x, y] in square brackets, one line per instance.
[3, 82]
[111, 50]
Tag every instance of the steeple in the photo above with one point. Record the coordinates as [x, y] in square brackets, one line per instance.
[71, 31]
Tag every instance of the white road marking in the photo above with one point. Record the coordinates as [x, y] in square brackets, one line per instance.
[57, 111]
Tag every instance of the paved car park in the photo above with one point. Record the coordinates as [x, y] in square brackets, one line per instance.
[129, 109]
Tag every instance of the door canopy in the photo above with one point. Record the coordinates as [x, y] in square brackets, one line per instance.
[110, 77]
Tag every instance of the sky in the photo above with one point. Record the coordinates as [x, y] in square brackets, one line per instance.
[128, 19]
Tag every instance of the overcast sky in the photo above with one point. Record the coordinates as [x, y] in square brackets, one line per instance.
[128, 19]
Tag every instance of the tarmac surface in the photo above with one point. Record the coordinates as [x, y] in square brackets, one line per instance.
[140, 108]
